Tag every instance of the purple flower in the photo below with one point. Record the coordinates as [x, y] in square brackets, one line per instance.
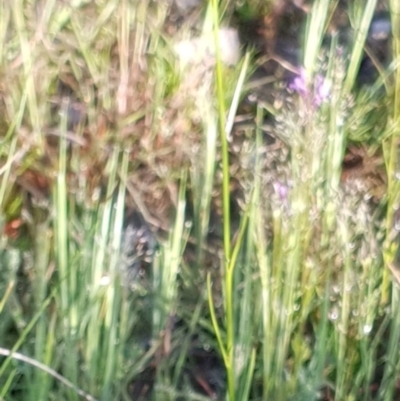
[281, 190]
[299, 84]
[322, 90]
[314, 92]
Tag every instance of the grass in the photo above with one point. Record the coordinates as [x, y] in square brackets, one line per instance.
[151, 249]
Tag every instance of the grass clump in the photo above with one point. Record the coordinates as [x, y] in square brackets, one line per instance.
[153, 247]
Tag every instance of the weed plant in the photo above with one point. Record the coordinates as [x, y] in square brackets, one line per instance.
[272, 274]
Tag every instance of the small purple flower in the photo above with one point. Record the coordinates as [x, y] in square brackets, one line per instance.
[322, 90]
[281, 190]
[315, 92]
[299, 84]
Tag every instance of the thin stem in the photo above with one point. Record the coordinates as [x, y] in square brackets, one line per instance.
[44, 368]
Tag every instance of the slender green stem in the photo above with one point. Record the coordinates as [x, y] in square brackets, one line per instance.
[358, 46]
[391, 158]
[229, 270]
[224, 143]
[215, 322]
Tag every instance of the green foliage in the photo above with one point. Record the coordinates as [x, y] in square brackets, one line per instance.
[267, 259]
